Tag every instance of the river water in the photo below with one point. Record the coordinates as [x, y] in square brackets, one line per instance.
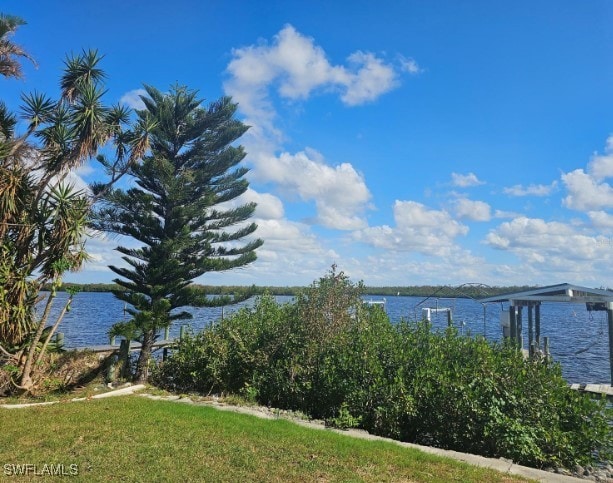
[578, 340]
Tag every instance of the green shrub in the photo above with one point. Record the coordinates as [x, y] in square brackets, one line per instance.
[331, 357]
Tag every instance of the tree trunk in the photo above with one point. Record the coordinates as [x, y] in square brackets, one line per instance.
[26, 383]
[142, 366]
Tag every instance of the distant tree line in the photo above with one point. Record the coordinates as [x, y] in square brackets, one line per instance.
[406, 291]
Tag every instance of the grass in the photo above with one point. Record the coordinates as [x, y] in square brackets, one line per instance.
[137, 439]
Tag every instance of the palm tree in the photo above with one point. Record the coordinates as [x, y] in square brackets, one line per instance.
[43, 217]
[9, 51]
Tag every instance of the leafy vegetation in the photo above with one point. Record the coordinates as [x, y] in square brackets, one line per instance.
[43, 216]
[331, 357]
[180, 442]
[179, 213]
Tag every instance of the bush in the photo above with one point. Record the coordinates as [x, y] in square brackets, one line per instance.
[475, 396]
[331, 357]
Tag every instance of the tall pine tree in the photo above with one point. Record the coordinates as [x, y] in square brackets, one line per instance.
[177, 211]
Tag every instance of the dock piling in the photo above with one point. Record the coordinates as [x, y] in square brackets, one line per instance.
[518, 322]
[610, 320]
[530, 329]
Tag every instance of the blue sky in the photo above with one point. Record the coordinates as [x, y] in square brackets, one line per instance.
[413, 142]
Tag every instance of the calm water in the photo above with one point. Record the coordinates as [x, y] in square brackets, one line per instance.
[577, 340]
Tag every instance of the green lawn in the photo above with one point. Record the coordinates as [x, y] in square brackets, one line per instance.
[137, 439]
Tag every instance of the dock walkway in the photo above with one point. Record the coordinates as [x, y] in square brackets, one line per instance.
[594, 388]
[134, 346]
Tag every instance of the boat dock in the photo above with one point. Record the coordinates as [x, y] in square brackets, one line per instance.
[134, 346]
[603, 389]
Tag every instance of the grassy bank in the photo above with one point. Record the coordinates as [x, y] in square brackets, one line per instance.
[136, 439]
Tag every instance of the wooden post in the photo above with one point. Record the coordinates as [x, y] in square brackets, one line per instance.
[537, 324]
[513, 323]
[546, 346]
[449, 318]
[530, 330]
[182, 332]
[533, 348]
[110, 372]
[610, 320]
[167, 333]
[518, 327]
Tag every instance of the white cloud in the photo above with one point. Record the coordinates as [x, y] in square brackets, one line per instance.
[418, 228]
[410, 65]
[299, 67]
[472, 210]
[601, 219]
[133, 100]
[465, 180]
[296, 67]
[531, 190]
[552, 246]
[601, 166]
[585, 193]
[291, 255]
[269, 207]
[339, 192]
[505, 214]
[371, 79]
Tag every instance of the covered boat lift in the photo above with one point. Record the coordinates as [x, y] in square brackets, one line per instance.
[594, 299]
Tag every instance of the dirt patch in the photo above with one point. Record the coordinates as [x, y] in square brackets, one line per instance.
[59, 372]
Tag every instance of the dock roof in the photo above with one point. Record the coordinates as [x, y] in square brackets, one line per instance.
[563, 292]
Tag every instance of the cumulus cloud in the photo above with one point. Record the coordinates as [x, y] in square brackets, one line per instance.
[531, 190]
[132, 99]
[601, 165]
[339, 192]
[269, 207]
[601, 219]
[291, 253]
[418, 228]
[465, 180]
[294, 67]
[298, 66]
[552, 245]
[370, 77]
[472, 210]
[585, 192]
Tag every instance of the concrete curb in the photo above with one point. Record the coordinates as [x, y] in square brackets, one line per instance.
[124, 391]
[501, 465]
